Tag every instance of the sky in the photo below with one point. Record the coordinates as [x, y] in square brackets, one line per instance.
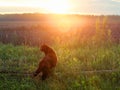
[101, 7]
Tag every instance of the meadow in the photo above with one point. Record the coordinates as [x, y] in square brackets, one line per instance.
[71, 73]
[84, 63]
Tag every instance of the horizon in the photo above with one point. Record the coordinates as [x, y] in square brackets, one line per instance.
[91, 7]
[81, 14]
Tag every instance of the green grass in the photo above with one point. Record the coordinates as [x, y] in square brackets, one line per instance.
[67, 75]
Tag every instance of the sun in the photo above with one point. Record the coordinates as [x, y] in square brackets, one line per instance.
[47, 6]
[57, 6]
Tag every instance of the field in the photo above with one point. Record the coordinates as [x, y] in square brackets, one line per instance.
[87, 60]
[70, 71]
[34, 29]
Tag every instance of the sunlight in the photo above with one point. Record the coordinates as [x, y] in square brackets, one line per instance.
[48, 6]
[55, 6]
[63, 22]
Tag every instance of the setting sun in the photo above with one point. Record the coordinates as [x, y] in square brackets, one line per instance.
[47, 6]
[54, 6]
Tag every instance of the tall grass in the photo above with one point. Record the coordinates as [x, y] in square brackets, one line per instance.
[68, 73]
[73, 59]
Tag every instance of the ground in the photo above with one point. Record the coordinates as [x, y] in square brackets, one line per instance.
[72, 61]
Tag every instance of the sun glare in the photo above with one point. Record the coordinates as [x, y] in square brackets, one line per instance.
[57, 6]
[48, 6]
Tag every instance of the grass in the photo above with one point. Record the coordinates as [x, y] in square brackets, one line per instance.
[67, 74]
